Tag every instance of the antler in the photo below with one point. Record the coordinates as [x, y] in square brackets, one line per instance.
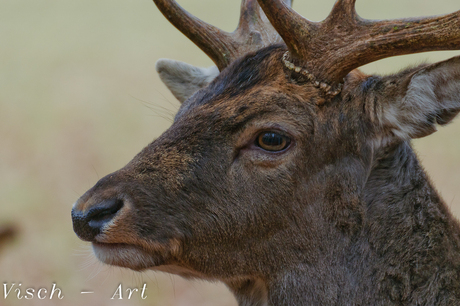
[344, 41]
[253, 33]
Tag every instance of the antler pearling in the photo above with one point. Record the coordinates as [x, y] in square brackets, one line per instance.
[326, 88]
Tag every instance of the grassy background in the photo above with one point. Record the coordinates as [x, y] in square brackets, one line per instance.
[79, 97]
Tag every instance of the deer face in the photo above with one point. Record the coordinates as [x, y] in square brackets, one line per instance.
[224, 178]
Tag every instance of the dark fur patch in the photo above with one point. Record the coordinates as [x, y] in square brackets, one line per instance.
[241, 76]
[369, 83]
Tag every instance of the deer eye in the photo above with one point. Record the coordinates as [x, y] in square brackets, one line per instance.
[272, 141]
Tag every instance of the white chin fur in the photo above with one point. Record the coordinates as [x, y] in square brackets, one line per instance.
[125, 256]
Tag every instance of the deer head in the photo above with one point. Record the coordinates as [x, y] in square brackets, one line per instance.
[265, 178]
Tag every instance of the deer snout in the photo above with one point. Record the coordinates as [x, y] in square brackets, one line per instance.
[90, 223]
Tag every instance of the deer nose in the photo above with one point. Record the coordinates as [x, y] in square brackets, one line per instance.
[87, 225]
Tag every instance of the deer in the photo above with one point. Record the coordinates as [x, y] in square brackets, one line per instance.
[287, 173]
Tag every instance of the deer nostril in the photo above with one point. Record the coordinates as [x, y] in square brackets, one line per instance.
[105, 210]
[88, 225]
[102, 213]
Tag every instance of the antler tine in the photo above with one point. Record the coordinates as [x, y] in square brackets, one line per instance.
[369, 41]
[293, 28]
[217, 44]
[254, 22]
[254, 31]
[343, 9]
[415, 35]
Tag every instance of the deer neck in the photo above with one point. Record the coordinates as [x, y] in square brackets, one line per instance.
[401, 242]
[409, 240]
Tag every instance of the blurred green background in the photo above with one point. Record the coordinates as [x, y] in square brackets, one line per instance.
[79, 97]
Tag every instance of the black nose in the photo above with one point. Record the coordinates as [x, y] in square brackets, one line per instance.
[87, 225]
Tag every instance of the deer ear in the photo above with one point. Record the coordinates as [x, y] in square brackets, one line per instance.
[422, 99]
[183, 79]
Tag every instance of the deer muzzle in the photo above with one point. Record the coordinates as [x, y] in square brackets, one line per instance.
[90, 223]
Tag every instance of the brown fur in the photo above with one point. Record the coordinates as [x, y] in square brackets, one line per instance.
[344, 216]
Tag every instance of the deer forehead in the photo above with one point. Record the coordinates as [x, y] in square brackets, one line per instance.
[248, 89]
